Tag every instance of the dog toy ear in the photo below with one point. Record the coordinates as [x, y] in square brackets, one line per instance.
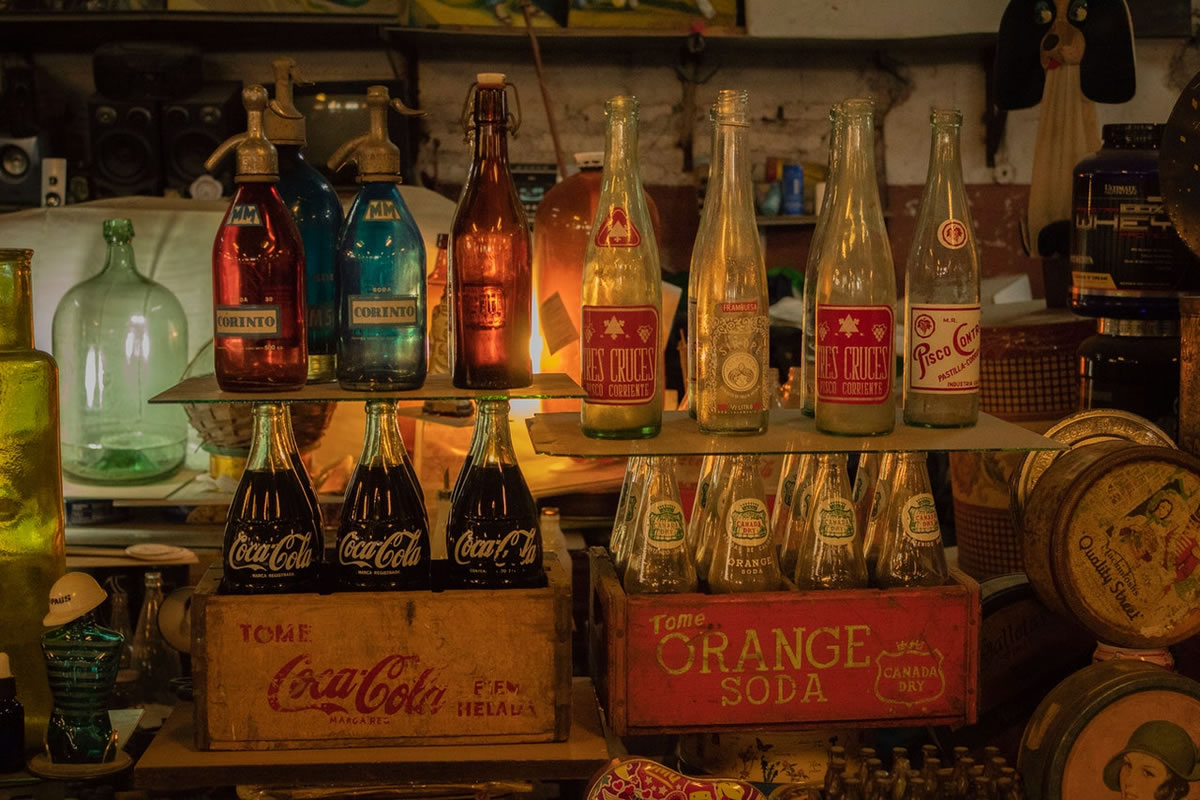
[1107, 73]
[1018, 70]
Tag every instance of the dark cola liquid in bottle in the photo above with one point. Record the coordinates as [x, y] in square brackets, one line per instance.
[492, 538]
[273, 532]
[383, 537]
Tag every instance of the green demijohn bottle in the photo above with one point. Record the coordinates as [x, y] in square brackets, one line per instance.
[32, 546]
[120, 338]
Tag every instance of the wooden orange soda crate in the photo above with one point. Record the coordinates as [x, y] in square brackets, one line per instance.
[382, 668]
[783, 660]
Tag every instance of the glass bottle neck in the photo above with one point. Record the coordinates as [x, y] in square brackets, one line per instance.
[383, 444]
[491, 126]
[858, 164]
[621, 170]
[731, 167]
[16, 301]
[269, 449]
[120, 259]
[944, 156]
[493, 441]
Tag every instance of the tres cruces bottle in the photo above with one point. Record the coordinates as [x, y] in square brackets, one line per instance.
[492, 537]
[622, 296]
[258, 270]
[856, 294]
[383, 538]
[381, 314]
[659, 562]
[731, 329]
[812, 263]
[491, 283]
[941, 293]
[272, 533]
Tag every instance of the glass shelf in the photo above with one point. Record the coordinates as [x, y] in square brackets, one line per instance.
[204, 389]
[790, 431]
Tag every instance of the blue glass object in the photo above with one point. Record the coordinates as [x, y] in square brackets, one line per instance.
[82, 659]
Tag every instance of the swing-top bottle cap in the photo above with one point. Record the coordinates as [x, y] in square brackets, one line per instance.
[257, 159]
[376, 157]
[283, 123]
[490, 80]
[8, 684]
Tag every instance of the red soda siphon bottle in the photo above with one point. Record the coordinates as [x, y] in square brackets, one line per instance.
[258, 270]
[491, 279]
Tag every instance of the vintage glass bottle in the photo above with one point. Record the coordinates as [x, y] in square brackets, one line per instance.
[659, 562]
[795, 531]
[32, 543]
[941, 293]
[694, 270]
[490, 269]
[866, 476]
[620, 346]
[119, 339]
[273, 541]
[156, 662]
[910, 550]
[744, 558]
[731, 329]
[877, 515]
[704, 490]
[709, 529]
[381, 313]
[383, 536]
[789, 471]
[621, 541]
[439, 310]
[830, 556]
[856, 294]
[258, 270]
[81, 660]
[492, 537]
[808, 391]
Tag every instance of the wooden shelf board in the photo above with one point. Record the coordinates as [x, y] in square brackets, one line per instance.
[204, 389]
[172, 762]
[790, 431]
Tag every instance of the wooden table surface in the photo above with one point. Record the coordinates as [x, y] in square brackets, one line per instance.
[172, 761]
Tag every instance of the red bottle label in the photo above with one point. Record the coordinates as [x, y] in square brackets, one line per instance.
[248, 322]
[618, 230]
[483, 306]
[855, 353]
[620, 354]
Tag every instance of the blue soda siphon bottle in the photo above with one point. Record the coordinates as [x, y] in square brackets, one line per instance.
[82, 659]
[381, 317]
[314, 204]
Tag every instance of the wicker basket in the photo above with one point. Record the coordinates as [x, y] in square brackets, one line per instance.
[226, 428]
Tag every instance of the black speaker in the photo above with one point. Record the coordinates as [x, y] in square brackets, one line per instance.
[146, 70]
[126, 156]
[21, 170]
[193, 127]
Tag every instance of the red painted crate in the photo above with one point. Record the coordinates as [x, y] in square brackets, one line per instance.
[783, 660]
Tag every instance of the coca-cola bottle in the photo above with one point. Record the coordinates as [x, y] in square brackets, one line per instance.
[856, 294]
[258, 270]
[490, 258]
[272, 537]
[622, 296]
[941, 293]
[492, 537]
[383, 537]
[744, 559]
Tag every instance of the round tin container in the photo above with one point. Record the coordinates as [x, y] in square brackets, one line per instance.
[1080, 430]
[1110, 539]
[1076, 740]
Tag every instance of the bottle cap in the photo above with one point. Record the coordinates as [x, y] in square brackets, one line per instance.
[490, 80]
[593, 159]
[257, 160]
[283, 123]
[8, 684]
[377, 159]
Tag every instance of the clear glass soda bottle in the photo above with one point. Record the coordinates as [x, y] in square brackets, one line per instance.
[659, 562]
[119, 339]
[876, 516]
[694, 270]
[383, 536]
[621, 366]
[865, 478]
[155, 661]
[911, 551]
[492, 536]
[941, 293]
[830, 556]
[731, 329]
[744, 558]
[708, 527]
[856, 295]
[621, 541]
[491, 282]
[808, 389]
[796, 527]
[704, 490]
[790, 470]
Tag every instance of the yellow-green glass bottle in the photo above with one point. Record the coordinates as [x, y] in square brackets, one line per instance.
[32, 547]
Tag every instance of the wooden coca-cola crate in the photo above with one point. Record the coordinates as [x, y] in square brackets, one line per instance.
[382, 668]
[674, 663]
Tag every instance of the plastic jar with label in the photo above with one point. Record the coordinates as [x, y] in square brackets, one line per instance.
[1127, 261]
[1133, 365]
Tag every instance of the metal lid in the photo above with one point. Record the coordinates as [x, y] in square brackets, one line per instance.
[257, 159]
[1080, 430]
[376, 157]
[1163, 328]
[284, 124]
[593, 159]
